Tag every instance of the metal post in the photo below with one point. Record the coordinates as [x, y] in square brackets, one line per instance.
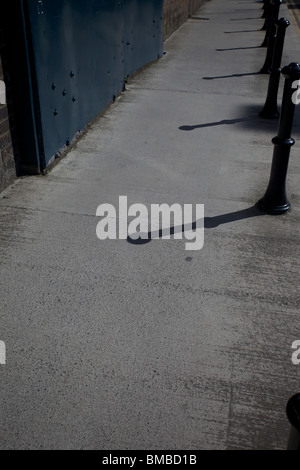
[270, 49]
[270, 109]
[275, 200]
[265, 25]
[272, 17]
[265, 9]
[265, 15]
[293, 414]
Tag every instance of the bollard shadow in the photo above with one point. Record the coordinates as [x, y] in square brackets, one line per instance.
[268, 126]
[213, 222]
[258, 123]
[201, 18]
[243, 31]
[235, 10]
[212, 124]
[238, 48]
[250, 119]
[244, 19]
[209, 223]
[232, 76]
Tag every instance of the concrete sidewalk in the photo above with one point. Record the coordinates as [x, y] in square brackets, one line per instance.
[112, 345]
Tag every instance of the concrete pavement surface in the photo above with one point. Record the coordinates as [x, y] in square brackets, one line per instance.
[114, 345]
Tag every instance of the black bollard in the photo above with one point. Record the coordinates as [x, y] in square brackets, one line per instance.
[265, 9]
[272, 18]
[265, 25]
[270, 109]
[275, 200]
[293, 414]
[270, 49]
[266, 15]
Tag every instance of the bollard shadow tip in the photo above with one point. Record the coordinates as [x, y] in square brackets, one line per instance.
[138, 241]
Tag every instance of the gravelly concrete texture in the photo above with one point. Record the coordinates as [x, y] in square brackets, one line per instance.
[111, 345]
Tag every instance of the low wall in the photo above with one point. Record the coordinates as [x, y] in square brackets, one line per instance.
[7, 163]
[67, 60]
[177, 12]
[74, 57]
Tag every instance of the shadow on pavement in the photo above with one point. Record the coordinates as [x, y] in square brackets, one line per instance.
[238, 48]
[211, 124]
[250, 120]
[232, 76]
[243, 31]
[241, 19]
[209, 222]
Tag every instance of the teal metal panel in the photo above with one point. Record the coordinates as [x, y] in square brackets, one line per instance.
[143, 33]
[80, 52]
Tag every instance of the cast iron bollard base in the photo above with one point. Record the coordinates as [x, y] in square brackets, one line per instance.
[275, 200]
[293, 414]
